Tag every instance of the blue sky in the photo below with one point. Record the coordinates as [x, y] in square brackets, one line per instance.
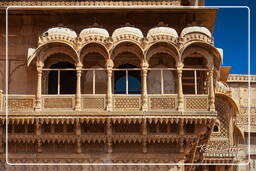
[230, 34]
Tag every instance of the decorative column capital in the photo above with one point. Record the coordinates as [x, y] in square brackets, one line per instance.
[79, 65]
[179, 66]
[109, 64]
[144, 64]
[39, 66]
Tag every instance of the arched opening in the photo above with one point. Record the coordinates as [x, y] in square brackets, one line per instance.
[162, 74]
[126, 80]
[215, 128]
[62, 80]
[94, 76]
[194, 76]
[127, 72]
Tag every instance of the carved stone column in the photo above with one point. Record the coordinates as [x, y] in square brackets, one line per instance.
[109, 134]
[181, 127]
[78, 146]
[144, 98]
[78, 133]
[38, 133]
[211, 90]
[78, 128]
[144, 144]
[38, 129]
[180, 90]
[109, 66]
[38, 106]
[144, 134]
[78, 86]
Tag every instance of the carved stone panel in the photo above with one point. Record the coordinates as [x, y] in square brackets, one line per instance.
[64, 102]
[162, 103]
[93, 103]
[196, 103]
[20, 104]
[127, 103]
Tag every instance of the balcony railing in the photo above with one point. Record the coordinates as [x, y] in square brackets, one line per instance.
[98, 102]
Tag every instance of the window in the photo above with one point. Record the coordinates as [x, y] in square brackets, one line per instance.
[62, 78]
[162, 74]
[161, 81]
[194, 76]
[127, 80]
[94, 81]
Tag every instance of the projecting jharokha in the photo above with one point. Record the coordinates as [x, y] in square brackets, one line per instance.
[120, 82]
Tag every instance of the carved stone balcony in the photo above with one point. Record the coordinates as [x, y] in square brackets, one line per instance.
[98, 103]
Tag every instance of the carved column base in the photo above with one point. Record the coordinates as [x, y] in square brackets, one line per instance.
[144, 106]
[212, 107]
[180, 108]
[109, 104]
[77, 108]
[78, 103]
[38, 106]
